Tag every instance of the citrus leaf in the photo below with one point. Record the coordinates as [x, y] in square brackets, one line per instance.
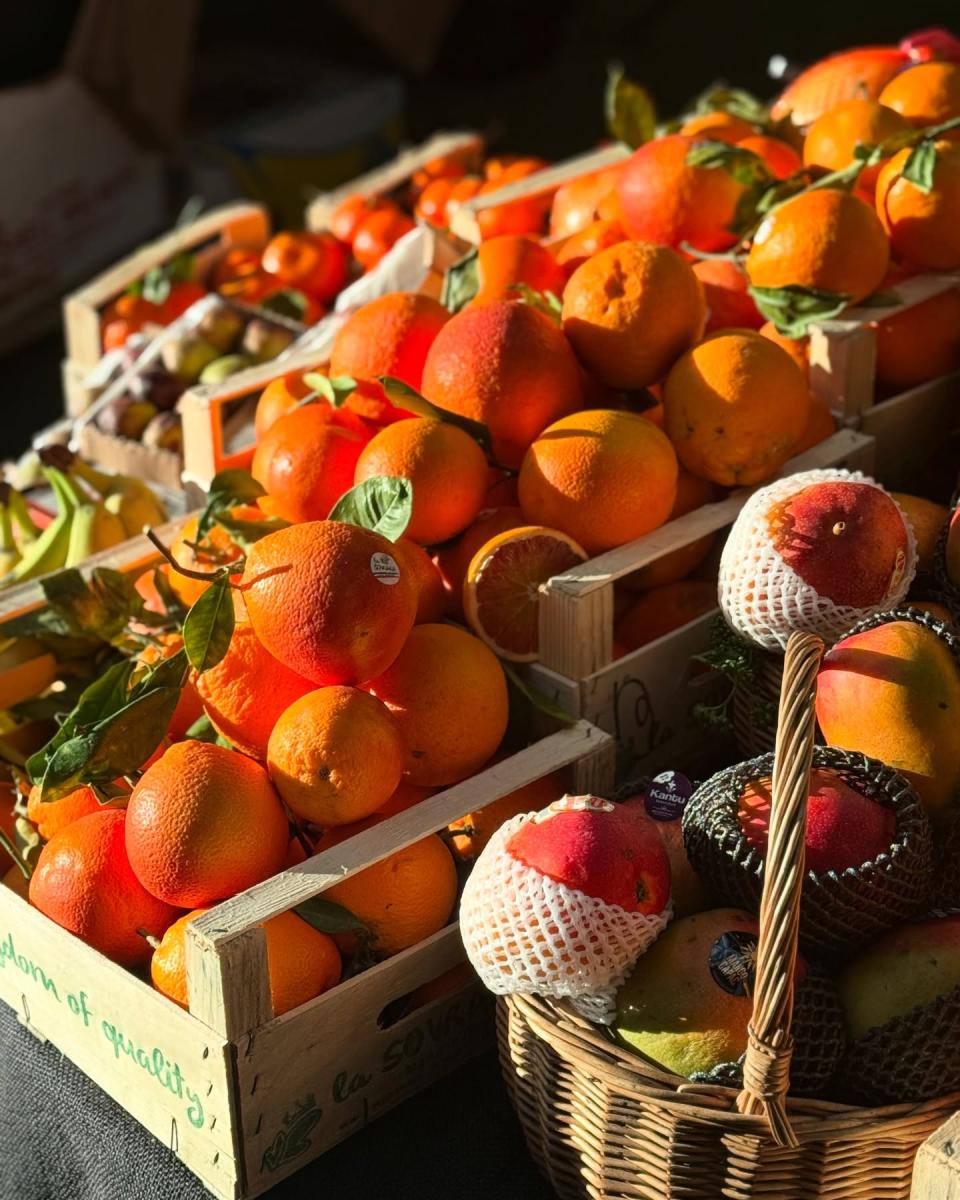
[538, 699]
[101, 607]
[744, 166]
[171, 601]
[628, 107]
[156, 285]
[736, 101]
[245, 533]
[383, 503]
[335, 391]
[227, 488]
[126, 739]
[328, 917]
[168, 672]
[794, 309]
[546, 302]
[404, 396]
[208, 626]
[921, 164]
[461, 282]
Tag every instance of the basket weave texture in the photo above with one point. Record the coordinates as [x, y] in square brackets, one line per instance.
[603, 1122]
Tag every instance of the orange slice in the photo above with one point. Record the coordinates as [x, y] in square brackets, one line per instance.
[501, 593]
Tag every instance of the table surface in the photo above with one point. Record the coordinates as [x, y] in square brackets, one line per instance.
[61, 1138]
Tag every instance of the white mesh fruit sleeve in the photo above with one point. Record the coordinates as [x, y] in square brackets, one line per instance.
[523, 932]
[763, 598]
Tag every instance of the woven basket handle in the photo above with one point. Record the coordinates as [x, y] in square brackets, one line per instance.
[766, 1069]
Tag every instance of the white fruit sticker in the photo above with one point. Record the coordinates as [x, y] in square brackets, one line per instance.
[385, 569]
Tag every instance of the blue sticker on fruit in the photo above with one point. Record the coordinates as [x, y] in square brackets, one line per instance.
[667, 796]
[733, 962]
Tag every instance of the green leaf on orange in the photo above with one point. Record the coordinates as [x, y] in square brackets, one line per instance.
[461, 282]
[794, 309]
[630, 113]
[335, 391]
[208, 626]
[383, 503]
[328, 917]
[736, 101]
[404, 396]
[227, 488]
[921, 164]
[548, 303]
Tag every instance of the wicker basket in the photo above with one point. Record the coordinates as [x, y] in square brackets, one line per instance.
[604, 1123]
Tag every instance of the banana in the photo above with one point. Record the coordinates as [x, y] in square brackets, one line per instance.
[9, 551]
[29, 531]
[93, 529]
[132, 500]
[49, 551]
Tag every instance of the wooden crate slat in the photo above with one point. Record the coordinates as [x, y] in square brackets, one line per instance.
[464, 223]
[391, 175]
[242, 223]
[170, 1072]
[908, 429]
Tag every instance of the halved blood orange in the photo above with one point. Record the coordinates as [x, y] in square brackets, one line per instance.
[501, 593]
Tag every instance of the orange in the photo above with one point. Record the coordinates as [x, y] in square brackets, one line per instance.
[453, 560]
[444, 464]
[862, 71]
[631, 311]
[350, 214]
[923, 226]
[820, 425]
[597, 236]
[602, 477]
[717, 126]
[248, 689]
[576, 202]
[84, 882]
[216, 550]
[402, 899]
[438, 203]
[427, 581]
[236, 262]
[311, 262]
[927, 94]
[146, 587]
[525, 215]
[474, 830]
[920, 343]
[666, 200]
[449, 695]
[729, 304]
[407, 795]
[444, 166]
[780, 158]
[447, 984]
[182, 295]
[692, 492]
[302, 962]
[734, 407]
[389, 336]
[927, 519]
[376, 234]
[501, 596]
[204, 823]
[53, 815]
[661, 610]
[306, 461]
[832, 139]
[505, 261]
[278, 398]
[329, 600]
[507, 366]
[825, 239]
[335, 755]
[797, 348]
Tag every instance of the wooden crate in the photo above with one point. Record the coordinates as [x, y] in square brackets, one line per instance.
[242, 1097]
[240, 224]
[908, 428]
[394, 174]
[646, 698]
[218, 419]
[464, 223]
[936, 1169]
